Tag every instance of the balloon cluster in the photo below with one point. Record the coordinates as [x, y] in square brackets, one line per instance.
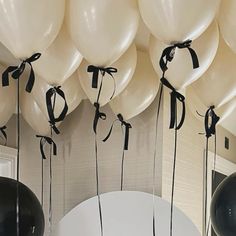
[65, 32]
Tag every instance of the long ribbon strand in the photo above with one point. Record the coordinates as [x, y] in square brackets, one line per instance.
[125, 133]
[154, 161]
[18, 162]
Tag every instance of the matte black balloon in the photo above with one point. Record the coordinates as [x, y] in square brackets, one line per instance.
[223, 207]
[31, 214]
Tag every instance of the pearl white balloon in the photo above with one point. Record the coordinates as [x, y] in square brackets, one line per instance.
[140, 92]
[127, 214]
[7, 100]
[102, 30]
[198, 108]
[180, 71]
[218, 84]
[229, 122]
[227, 22]
[6, 57]
[71, 88]
[60, 60]
[27, 26]
[33, 115]
[125, 66]
[176, 21]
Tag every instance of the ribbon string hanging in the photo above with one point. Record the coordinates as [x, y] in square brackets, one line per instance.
[127, 126]
[16, 72]
[166, 57]
[51, 96]
[210, 122]
[99, 116]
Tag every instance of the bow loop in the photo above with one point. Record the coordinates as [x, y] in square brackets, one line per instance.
[95, 70]
[17, 71]
[43, 141]
[127, 125]
[98, 115]
[54, 91]
[169, 53]
[175, 95]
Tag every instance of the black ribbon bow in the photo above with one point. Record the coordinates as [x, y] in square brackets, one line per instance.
[51, 105]
[98, 115]
[210, 129]
[4, 134]
[43, 141]
[16, 72]
[95, 70]
[127, 126]
[173, 105]
[169, 52]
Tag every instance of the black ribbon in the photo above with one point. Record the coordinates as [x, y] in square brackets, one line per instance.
[98, 115]
[50, 107]
[4, 134]
[127, 128]
[17, 71]
[95, 70]
[43, 141]
[169, 52]
[175, 96]
[210, 129]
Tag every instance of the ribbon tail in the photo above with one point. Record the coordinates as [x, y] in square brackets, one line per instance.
[194, 58]
[30, 83]
[126, 144]
[42, 149]
[109, 134]
[183, 116]
[173, 108]
[5, 75]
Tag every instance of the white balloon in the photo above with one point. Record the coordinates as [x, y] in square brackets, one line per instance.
[125, 66]
[127, 214]
[6, 57]
[27, 26]
[102, 30]
[59, 61]
[140, 92]
[198, 109]
[176, 21]
[180, 71]
[229, 121]
[7, 100]
[33, 115]
[71, 88]
[218, 84]
[227, 19]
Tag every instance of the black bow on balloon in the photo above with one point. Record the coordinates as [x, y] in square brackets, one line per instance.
[51, 105]
[173, 105]
[127, 128]
[210, 129]
[169, 52]
[98, 115]
[43, 141]
[16, 72]
[4, 134]
[95, 70]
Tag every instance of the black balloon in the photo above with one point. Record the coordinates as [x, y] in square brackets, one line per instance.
[223, 207]
[31, 217]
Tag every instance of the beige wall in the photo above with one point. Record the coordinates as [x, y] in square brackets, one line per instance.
[74, 170]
